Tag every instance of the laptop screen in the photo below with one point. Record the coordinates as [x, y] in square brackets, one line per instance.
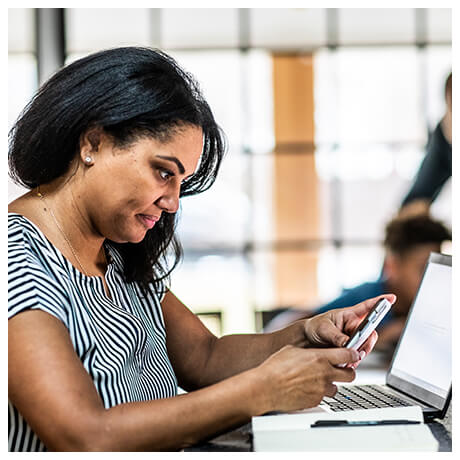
[424, 354]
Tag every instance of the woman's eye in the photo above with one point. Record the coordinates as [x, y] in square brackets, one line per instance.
[165, 174]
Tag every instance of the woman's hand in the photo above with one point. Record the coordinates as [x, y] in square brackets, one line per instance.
[335, 327]
[297, 378]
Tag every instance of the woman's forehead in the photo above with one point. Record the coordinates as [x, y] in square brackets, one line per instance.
[183, 149]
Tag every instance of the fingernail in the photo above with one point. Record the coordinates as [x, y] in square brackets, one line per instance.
[362, 354]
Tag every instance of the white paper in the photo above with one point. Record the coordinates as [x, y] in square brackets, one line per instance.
[303, 419]
[383, 438]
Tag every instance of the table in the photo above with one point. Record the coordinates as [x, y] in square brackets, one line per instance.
[240, 439]
[372, 370]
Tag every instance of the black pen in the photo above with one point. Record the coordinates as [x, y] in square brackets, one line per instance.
[346, 423]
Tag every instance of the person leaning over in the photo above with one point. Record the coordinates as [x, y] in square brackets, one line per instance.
[436, 167]
[97, 342]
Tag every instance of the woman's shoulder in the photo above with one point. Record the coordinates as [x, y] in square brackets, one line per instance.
[27, 242]
[21, 214]
[36, 276]
[23, 205]
[20, 226]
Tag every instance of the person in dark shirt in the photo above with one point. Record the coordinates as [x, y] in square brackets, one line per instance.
[408, 243]
[436, 167]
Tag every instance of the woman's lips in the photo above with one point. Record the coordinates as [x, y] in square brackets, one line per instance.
[147, 220]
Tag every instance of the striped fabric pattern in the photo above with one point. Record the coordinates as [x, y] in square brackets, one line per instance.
[120, 341]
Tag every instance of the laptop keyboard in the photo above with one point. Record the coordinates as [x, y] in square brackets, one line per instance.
[362, 397]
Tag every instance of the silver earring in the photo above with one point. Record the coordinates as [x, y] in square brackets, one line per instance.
[88, 160]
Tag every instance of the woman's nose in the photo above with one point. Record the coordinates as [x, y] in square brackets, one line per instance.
[171, 204]
[169, 201]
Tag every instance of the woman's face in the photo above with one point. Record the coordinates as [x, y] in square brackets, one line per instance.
[126, 190]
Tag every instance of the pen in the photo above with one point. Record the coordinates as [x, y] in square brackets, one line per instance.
[346, 423]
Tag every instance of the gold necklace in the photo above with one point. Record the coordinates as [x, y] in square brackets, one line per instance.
[42, 197]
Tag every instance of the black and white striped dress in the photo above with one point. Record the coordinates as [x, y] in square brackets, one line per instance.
[120, 341]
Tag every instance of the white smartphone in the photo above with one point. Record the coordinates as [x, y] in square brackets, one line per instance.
[369, 323]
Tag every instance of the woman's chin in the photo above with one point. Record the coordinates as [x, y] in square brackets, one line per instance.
[132, 238]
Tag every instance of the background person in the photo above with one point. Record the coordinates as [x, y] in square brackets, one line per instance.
[408, 244]
[436, 167]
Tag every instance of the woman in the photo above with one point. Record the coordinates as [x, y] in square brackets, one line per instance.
[98, 344]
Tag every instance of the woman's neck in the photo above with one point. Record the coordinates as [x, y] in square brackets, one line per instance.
[57, 211]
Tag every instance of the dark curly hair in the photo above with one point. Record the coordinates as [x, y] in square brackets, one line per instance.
[129, 92]
[403, 234]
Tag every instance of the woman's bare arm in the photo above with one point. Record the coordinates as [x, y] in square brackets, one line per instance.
[50, 387]
[200, 358]
[52, 390]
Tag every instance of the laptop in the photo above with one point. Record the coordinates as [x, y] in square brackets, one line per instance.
[420, 373]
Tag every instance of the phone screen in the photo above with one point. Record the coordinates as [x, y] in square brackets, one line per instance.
[369, 323]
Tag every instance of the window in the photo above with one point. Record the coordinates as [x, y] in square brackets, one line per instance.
[374, 106]
[22, 71]
[375, 96]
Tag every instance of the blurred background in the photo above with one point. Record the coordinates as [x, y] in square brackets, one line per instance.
[327, 112]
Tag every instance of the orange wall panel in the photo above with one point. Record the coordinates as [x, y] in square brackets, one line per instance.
[295, 187]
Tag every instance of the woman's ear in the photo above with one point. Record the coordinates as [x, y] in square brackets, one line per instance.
[89, 145]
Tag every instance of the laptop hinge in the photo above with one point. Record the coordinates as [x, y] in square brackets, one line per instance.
[413, 398]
